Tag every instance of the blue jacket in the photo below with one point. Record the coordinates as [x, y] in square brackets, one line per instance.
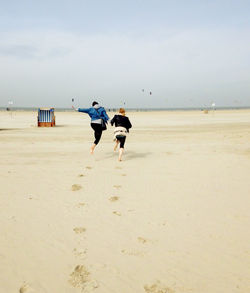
[95, 113]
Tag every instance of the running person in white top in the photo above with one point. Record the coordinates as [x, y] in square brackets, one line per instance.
[122, 126]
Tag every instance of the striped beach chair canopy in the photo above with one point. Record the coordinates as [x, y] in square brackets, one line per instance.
[45, 115]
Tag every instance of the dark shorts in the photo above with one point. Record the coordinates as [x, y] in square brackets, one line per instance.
[121, 140]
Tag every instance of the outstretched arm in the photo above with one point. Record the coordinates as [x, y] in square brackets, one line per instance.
[84, 110]
[81, 109]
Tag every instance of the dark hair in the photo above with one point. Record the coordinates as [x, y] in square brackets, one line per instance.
[94, 103]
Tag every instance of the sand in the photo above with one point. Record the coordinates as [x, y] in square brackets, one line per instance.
[173, 217]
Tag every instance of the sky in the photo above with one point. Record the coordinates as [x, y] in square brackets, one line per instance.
[186, 53]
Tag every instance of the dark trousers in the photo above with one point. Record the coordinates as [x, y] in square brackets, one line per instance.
[98, 131]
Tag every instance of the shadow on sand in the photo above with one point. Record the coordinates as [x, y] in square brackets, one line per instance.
[135, 155]
[8, 129]
[61, 125]
[128, 155]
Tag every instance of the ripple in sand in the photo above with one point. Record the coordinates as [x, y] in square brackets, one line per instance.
[81, 175]
[76, 187]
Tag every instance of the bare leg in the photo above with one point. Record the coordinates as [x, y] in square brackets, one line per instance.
[120, 154]
[92, 148]
[116, 145]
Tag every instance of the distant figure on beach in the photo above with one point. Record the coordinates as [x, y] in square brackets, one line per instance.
[99, 119]
[122, 126]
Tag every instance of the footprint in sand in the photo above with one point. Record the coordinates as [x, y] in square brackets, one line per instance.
[133, 252]
[157, 288]
[81, 175]
[80, 278]
[26, 289]
[79, 230]
[80, 204]
[117, 186]
[76, 187]
[79, 253]
[89, 167]
[113, 198]
[142, 240]
[117, 213]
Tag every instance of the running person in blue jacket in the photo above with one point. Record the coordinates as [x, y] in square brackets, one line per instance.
[96, 113]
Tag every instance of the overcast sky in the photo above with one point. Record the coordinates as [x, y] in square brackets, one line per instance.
[187, 53]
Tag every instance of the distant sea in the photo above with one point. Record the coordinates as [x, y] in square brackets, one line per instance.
[131, 109]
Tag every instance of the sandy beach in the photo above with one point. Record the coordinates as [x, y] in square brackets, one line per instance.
[172, 217]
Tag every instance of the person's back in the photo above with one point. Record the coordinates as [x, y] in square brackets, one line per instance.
[122, 121]
[122, 126]
[95, 112]
[99, 118]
